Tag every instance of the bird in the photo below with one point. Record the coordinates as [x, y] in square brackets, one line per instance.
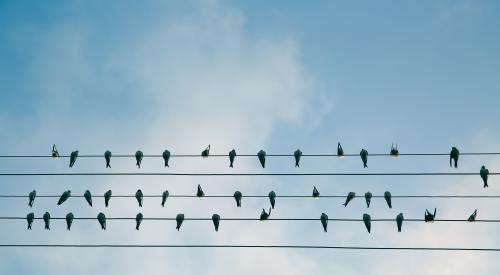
[30, 218]
[324, 221]
[139, 196]
[215, 220]
[262, 158]
[472, 217]
[166, 157]
[138, 158]
[107, 157]
[399, 221]
[164, 197]
[232, 155]
[394, 151]
[107, 197]
[484, 175]
[55, 153]
[205, 153]
[454, 156]
[138, 220]
[65, 196]
[429, 217]
[69, 220]
[368, 198]
[349, 198]
[199, 192]
[101, 218]
[297, 154]
[179, 219]
[272, 198]
[46, 219]
[340, 151]
[32, 196]
[88, 197]
[368, 222]
[72, 158]
[315, 192]
[387, 196]
[237, 196]
[364, 157]
[264, 216]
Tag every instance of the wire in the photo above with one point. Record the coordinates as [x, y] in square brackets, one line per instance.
[254, 155]
[256, 219]
[248, 174]
[249, 246]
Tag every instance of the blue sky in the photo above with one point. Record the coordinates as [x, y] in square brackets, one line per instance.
[250, 75]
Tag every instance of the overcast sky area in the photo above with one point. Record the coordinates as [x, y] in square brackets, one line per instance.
[179, 75]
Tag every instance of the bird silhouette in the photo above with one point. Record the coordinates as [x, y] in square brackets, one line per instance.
[215, 220]
[349, 198]
[72, 158]
[88, 197]
[394, 151]
[272, 198]
[364, 157]
[166, 157]
[138, 158]
[399, 221]
[107, 197]
[199, 192]
[368, 222]
[101, 218]
[484, 175]
[107, 157]
[30, 218]
[315, 193]
[262, 158]
[454, 154]
[138, 220]
[205, 153]
[324, 221]
[340, 151]
[138, 197]
[46, 220]
[232, 155]
[32, 197]
[472, 217]
[264, 216]
[164, 197]
[387, 196]
[55, 153]
[368, 198]
[69, 220]
[297, 154]
[429, 217]
[237, 196]
[179, 219]
[64, 197]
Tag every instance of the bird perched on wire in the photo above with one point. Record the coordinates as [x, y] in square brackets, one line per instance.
[394, 151]
[368, 199]
[138, 158]
[199, 192]
[472, 217]
[138, 220]
[101, 218]
[55, 153]
[72, 158]
[107, 157]
[349, 198]
[138, 197]
[399, 221]
[215, 220]
[429, 217]
[179, 219]
[315, 193]
[30, 218]
[454, 154]
[262, 158]
[69, 220]
[364, 157]
[205, 153]
[297, 154]
[88, 197]
[340, 151]
[166, 157]
[32, 196]
[237, 196]
[232, 156]
[164, 197]
[387, 196]
[64, 197]
[272, 198]
[484, 175]
[324, 221]
[107, 197]
[46, 219]
[264, 216]
[368, 222]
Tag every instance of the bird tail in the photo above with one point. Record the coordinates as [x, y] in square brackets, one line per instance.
[231, 165]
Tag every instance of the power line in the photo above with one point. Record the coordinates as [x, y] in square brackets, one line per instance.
[249, 246]
[250, 174]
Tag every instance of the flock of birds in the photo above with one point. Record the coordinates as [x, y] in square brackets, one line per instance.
[101, 217]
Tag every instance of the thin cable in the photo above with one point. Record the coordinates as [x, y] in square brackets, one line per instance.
[249, 246]
[249, 174]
